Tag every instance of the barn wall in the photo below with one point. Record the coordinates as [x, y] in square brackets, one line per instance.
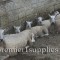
[17, 11]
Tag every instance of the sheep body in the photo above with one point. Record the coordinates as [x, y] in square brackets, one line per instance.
[57, 20]
[46, 23]
[17, 40]
[38, 30]
[58, 25]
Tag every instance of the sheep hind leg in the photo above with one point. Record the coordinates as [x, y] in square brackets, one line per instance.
[57, 30]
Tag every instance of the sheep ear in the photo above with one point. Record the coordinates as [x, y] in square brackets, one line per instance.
[26, 21]
[14, 26]
[20, 26]
[31, 22]
[49, 15]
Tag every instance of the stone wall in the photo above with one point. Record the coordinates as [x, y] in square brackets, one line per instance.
[17, 11]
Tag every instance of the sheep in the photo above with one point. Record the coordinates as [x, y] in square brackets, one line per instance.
[28, 25]
[39, 20]
[16, 41]
[17, 29]
[56, 21]
[39, 31]
[49, 22]
[45, 23]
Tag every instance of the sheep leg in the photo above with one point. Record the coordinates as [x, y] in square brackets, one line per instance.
[57, 29]
[31, 40]
[44, 35]
[46, 32]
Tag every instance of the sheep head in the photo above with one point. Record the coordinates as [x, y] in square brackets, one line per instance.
[29, 24]
[56, 13]
[52, 19]
[17, 29]
[40, 20]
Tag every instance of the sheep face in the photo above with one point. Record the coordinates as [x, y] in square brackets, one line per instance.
[40, 19]
[17, 29]
[56, 13]
[1, 33]
[52, 19]
[28, 24]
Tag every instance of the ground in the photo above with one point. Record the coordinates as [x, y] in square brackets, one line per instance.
[53, 41]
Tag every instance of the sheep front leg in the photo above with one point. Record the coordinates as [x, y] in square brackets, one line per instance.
[31, 40]
[46, 32]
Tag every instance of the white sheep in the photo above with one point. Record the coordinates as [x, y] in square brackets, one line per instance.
[16, 41]
[47, 23]
[28, 25]
[56, 21]
[38, 31]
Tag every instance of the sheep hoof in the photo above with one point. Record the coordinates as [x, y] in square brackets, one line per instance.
[47, 36]
[27, 47]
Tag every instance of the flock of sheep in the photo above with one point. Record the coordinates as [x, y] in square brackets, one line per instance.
[21, 38]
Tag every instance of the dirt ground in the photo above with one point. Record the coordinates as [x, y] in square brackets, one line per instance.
[53, 41]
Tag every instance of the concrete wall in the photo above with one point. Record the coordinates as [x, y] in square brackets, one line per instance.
[17, 11]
